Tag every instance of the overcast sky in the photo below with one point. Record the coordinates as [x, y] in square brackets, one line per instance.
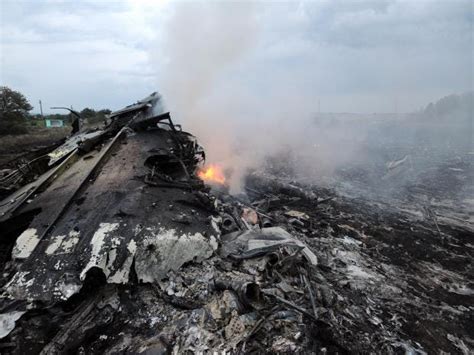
[351, 56]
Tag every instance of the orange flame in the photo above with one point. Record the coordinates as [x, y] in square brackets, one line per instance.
[212, 173]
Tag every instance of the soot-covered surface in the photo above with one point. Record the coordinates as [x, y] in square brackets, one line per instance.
[124, 250]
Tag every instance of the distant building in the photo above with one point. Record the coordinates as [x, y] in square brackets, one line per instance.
[54, 123]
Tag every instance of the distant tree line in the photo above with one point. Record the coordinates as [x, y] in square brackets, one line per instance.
[452, 108]
[448, 123]
[15, 117]
[88, 114]
[93, 116]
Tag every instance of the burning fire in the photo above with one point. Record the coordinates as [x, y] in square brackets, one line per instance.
[212, 173]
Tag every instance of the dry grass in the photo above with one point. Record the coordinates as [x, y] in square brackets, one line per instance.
[37, 137]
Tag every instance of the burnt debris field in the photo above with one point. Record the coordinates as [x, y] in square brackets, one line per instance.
[122, 239]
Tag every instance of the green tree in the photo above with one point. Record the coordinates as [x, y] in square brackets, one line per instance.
[88, 113]
[104, 112]
[14, 109]
[94, 117]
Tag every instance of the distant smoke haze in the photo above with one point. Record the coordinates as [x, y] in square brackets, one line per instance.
[248, 91]
[205, 77]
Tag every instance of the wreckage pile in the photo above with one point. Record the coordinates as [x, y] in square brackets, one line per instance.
[118, 247]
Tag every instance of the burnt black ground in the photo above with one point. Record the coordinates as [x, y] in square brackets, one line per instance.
[395, 269]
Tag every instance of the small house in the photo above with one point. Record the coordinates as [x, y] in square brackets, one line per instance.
[50, 123]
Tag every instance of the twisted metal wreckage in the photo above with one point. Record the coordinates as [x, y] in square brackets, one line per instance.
[111, 243]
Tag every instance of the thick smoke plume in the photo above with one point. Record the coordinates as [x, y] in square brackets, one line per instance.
[215, 80]
[250, 92]
[204, 45]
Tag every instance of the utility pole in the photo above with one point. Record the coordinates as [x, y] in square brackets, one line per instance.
[41, 109]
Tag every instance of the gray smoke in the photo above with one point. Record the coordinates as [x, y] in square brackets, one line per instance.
[214, 78]
[248, 91]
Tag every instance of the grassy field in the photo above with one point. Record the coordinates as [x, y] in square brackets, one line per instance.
[12, 146]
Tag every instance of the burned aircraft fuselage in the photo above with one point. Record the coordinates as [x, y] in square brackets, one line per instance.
[106, 193]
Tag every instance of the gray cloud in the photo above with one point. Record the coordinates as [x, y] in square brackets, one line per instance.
[351, 55]
[76, 53]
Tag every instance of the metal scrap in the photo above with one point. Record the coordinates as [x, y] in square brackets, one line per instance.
[100, 255]
[255, 243]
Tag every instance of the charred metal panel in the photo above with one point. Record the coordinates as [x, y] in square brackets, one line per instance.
[113, 214]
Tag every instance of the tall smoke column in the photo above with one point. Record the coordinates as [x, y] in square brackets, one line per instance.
[198, 57]
[229, 82]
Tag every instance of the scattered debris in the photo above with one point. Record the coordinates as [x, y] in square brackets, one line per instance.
[163, 251]
[7, 322]
[260, 242]
[114, 244]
